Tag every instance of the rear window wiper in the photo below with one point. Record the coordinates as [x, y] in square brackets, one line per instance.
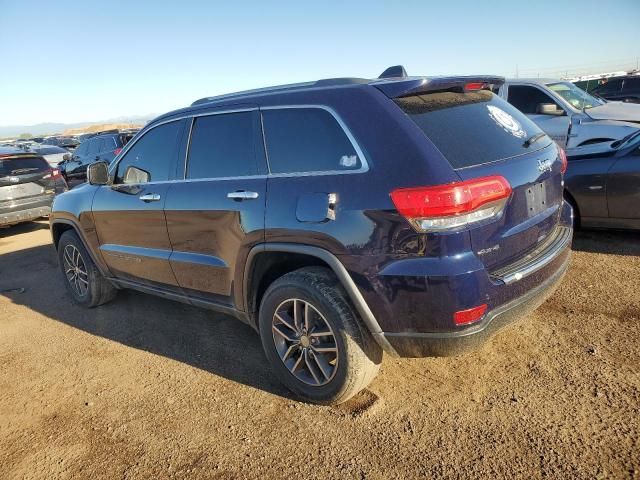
[531, 140]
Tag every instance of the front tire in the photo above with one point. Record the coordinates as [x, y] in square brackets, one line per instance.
[314, 340]
[83, 280]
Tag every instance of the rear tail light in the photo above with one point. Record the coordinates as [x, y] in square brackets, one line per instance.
[473, 86]
[563, 159]
[464, 317]
[54, 174]
[117, 151]
[451, 206]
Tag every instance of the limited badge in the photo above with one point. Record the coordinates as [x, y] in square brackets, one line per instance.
[506, 121]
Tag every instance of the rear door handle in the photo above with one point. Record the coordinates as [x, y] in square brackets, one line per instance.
[242, 195]
[149, 197]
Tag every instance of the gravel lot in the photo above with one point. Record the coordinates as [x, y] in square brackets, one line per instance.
[147, 388]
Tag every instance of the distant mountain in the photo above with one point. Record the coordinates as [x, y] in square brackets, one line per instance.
[52, 127]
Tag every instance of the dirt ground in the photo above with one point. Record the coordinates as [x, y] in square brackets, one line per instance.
[146, 388]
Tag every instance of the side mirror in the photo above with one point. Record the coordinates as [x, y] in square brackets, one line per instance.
[66, 157]
[98, 173]
[136, 175]
[549, 109]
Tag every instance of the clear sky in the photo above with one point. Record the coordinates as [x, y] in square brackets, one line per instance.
[68, 61]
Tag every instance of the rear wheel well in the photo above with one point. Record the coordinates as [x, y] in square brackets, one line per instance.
[57, 229]
[267, 267]
[576, 211]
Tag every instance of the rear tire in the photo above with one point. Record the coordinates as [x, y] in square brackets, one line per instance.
[83, 280]
[330, 359]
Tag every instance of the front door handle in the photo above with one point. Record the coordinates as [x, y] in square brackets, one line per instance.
[242, 195]
[149, 197]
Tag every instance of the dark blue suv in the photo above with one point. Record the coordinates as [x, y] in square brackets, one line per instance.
[341, 219]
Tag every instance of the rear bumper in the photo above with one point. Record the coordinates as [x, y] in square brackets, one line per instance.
[458, 342]
[25, 215]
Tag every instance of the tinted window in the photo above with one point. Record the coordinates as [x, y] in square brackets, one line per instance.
[527, 99]
[82, 149]
[154, 153]
[608, 86]
[93, 146]
[632, 84]
[471, 128]
[307, 140]
[222, 146]
[22, 166]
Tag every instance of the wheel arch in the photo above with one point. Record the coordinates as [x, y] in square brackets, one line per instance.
[265, 263]
[61, 225]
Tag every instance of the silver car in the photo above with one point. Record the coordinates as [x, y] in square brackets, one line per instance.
[568, 114]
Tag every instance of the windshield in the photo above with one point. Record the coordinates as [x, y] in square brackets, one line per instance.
[576, 97]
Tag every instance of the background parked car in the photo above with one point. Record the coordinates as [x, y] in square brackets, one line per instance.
[622, 89]
[101, 147]
[68, 143]
[28, 185]
[52, 154]
[603, 183]
[568, 114]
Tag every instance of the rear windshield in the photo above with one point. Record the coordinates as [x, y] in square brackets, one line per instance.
[22, 166]
[471, 128]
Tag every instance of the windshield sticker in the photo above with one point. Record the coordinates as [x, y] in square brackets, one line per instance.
[506, 121]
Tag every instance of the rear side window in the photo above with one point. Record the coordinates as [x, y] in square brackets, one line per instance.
[526, 99]
[222, 146]
[154, 153]
[632, 84]
[471, 128]
[302, 140]
[22, 166]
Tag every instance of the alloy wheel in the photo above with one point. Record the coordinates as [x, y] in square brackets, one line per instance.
[75, 270]
[305, 342]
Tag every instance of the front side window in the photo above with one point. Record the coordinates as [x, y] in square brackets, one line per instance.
[527, 99]
[153, 154]
[574, 96]
[222, 146]
[303, 140]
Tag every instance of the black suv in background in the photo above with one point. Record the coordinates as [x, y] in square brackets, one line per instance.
[27, 186]
[620, 89]
[68, 143]
[100, 147]
[339, 218]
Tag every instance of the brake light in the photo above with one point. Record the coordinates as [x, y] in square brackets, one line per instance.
[563, 159]
[464, 317]
[473, 86]
[454, 205]
[117, 151]
[54, 174]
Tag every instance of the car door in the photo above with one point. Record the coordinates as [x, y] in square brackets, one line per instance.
[128, 214]
[528, 98]
[586, 181]
[623, 187]
[216, 215]
[74, 166]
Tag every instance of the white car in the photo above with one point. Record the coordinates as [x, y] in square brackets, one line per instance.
[52, 154]
[568, 114]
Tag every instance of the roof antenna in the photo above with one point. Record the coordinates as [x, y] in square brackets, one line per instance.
[397, 71]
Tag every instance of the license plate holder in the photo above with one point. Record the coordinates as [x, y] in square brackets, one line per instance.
[536, 199]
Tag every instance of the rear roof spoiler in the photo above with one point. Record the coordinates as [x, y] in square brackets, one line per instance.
[394, 87]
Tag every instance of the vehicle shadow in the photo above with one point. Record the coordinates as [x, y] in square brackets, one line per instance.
[26, 227]
[607, 241]
[207, 340]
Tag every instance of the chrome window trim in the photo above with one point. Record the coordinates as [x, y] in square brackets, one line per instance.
[147, 129]
[364, 167]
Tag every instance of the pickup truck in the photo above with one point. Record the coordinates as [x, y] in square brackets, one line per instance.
[568, 114]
